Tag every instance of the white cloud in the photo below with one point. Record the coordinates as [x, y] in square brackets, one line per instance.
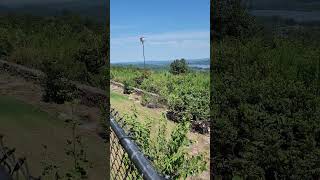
[163, 38]
[168, 45]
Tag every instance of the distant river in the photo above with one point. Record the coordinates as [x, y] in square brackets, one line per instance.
[296, 15]
[202, 66]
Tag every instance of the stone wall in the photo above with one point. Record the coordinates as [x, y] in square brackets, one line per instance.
[88, 95]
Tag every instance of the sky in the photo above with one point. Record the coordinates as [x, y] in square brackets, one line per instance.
[173, 29]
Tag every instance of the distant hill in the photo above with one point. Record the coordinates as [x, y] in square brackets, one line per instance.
[193, 63]
[95, 9]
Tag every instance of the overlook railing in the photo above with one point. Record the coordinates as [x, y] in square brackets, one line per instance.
[12, 167]
[126, 160]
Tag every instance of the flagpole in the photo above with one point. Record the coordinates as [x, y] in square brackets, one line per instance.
[144, 59]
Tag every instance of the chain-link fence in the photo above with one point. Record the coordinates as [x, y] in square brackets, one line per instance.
[126, 160]
[11, 167]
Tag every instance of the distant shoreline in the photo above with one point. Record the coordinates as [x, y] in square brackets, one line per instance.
[193, 63]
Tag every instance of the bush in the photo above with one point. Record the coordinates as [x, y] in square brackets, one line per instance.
[127, 88]
[179, 66]
[139, 79]
[188, 98]
[150, 101]
[266, 110]
[91, 58]
[186, 95]
[169, 154]
[79, 45]
[56, 87]
[5, 47]
[231, 19]
[101, 80]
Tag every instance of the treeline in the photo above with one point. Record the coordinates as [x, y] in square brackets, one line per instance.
[265, 100]
[76, 46]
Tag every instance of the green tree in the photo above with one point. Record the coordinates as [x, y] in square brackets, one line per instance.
[179, 66]
[56, 87]
[231, 18]
[5, 46]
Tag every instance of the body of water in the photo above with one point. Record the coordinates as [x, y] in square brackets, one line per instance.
[197, 64]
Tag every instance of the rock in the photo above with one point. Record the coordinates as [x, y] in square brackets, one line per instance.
[64, 116]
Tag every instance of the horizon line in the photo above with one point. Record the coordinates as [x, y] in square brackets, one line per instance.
[158, 60]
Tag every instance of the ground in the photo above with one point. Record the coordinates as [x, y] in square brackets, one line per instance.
[28, 123]
[124, 104]
[24, 118]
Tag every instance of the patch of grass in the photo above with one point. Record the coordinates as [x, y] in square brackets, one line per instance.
[118, 97]
[26, 128]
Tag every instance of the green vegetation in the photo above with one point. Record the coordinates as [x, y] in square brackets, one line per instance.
[22, 123]
[179, 66]
[75, 149]
[265, 102]
[186, 95]
[77, 45]
[65, 48]
[168, 153]
[152, 129]
[56, 88]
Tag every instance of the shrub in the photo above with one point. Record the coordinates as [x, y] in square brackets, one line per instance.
[139, 79]
[5, 47]
[91, 58]
[188, 98]
[186, 95]
[150, 101]
[168, 151]
[101, 80]
[127, 88]
[230, 18]
[179, 66]
[265, 110]
[56, 87]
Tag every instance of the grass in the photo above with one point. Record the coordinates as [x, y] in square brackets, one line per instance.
[124, 106]
[26, 128]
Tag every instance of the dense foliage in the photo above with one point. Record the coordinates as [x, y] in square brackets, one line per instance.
[57, 88]
[266, 106]
[169, 150]
[78, 45]
[186, 95]
[229, 18]
[179, 66]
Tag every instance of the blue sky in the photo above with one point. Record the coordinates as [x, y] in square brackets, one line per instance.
[172, 28]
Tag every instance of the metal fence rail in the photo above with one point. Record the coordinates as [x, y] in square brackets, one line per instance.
[12, 167]
[127, 161]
